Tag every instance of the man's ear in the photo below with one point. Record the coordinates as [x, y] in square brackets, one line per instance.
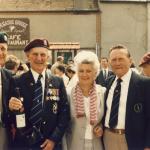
[109, 62]
[27, 55]
[131, 60]
[49, 55]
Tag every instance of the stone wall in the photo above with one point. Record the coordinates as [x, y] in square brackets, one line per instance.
[47, 5]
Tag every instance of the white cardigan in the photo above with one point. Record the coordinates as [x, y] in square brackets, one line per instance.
[76, 135]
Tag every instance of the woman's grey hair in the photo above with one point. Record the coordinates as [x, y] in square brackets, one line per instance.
[87, 57]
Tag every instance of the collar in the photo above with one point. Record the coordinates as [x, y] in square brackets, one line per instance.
[126, 77]
[105, 69]
[36, 75]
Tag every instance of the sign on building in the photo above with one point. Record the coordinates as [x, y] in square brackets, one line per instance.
[17, 30]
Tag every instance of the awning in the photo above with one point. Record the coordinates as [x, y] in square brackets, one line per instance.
[66, 46]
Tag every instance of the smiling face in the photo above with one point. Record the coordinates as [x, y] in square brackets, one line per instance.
[86, 74]
[3, 53]
[38, 58]
[120, 61]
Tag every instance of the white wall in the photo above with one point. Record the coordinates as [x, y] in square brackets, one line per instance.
[59, 28]
[124, 23]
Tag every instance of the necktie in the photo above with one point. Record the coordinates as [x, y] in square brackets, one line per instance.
[36, 110]
[113, 120]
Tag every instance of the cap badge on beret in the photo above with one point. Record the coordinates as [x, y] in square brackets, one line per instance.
[45, 42]
[5, 38]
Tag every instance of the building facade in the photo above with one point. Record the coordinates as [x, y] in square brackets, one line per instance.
[95, 24]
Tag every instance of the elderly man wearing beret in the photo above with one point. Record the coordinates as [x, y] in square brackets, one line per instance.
[5, 77]
[145, 64]
[44, 104]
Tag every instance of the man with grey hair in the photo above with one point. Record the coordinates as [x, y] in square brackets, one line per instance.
[45, 104]
[127, 113]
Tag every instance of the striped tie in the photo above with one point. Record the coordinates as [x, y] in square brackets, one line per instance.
[36, 110]
[113, 120]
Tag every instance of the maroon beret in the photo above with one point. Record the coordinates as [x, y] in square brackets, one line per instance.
[36, 43]
[145, 59]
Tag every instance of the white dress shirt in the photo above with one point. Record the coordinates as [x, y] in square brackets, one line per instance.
[36, 75]
[89, 128]
[105, 72]
[123, 100]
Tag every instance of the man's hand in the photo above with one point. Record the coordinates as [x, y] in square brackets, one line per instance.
[15, 104]
[146, 148]
[48, 145]
[98, 131]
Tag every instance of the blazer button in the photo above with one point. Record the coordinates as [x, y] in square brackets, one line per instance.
[44, 122]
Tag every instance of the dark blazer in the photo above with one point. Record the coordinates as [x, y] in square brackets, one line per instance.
[6, 81]
[137, 120]
[100, 78]
[6, 77]
[55, 119]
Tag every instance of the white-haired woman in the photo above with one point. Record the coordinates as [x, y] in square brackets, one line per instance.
[87, 105]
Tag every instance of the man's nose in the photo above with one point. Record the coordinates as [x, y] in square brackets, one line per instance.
[117, 62]
[39, 57]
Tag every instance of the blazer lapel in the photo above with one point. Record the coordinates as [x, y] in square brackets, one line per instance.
[5, 83]
[30, 83]
[48, 83]
[109, 73]
[132, 91]
[102, 75]
[109, 83]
